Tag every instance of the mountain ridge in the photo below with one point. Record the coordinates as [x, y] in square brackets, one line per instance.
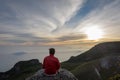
[100, 49]
[101, 62]
[21, 70]
[100, 55]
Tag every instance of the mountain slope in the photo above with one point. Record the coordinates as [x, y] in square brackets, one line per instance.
[102, 62]
[98, 51]
[21, 70]
[99, 63]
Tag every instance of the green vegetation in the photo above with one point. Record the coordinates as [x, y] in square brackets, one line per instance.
[103, 57]
[69, 66]
[101, 62]
[115, 77]
[22, 70]
[26, 72]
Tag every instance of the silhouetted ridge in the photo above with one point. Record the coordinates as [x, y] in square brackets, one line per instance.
[21, 70]
[102, 62]
[98, 51]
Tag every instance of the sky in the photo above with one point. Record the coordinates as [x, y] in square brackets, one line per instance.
[58, 22]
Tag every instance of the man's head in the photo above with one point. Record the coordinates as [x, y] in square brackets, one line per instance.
[52, 51]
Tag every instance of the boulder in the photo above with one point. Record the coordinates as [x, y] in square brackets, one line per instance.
[63, 74]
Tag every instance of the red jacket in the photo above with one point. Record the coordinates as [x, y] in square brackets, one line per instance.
[51, 64]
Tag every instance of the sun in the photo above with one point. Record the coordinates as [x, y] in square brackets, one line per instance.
[94, 32]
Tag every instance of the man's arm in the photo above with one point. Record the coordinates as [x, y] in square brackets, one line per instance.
[43, 65]
[58, 64]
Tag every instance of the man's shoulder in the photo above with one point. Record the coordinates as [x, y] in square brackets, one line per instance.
[46, 57]
[55, 57]
[51, 57]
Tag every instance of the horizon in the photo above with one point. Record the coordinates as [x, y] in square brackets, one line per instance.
[9, 56]
[15, 55]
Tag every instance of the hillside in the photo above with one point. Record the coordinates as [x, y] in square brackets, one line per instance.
[102, 62]
[98, 51]
[32, 70]
[99, 63]
[21, 70]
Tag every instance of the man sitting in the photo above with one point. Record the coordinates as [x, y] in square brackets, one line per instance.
[51, 64]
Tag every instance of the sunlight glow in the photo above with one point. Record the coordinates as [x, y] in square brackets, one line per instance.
[94, 32]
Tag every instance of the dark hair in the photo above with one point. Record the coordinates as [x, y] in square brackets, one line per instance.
[52, 51]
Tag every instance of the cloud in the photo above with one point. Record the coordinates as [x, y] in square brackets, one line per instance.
[72, 37]
[107, 17]
[35, 19]
[19, 53]
[44, 16]
[43, 21]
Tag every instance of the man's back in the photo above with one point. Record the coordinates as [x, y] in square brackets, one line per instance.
[51, 64]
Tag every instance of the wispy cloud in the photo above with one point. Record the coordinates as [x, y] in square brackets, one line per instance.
[56, 21]
[19, 53]
[44, 16]
[35, 19]
[107, 17]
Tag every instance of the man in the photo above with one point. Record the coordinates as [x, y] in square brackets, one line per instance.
[51, 64]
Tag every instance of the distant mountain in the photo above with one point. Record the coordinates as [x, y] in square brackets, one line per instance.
[21, 70]
[98, 51]
[101, 62]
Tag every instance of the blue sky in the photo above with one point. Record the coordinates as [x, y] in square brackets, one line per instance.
[56, 22]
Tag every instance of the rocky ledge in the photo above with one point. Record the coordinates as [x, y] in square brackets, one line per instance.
[63, 74]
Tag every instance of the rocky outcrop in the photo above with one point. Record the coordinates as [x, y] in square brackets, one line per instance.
[63, 74]
[22, 68]
[31, 70]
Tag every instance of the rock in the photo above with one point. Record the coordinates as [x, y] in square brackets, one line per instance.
[20, 69]
[63, 74]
